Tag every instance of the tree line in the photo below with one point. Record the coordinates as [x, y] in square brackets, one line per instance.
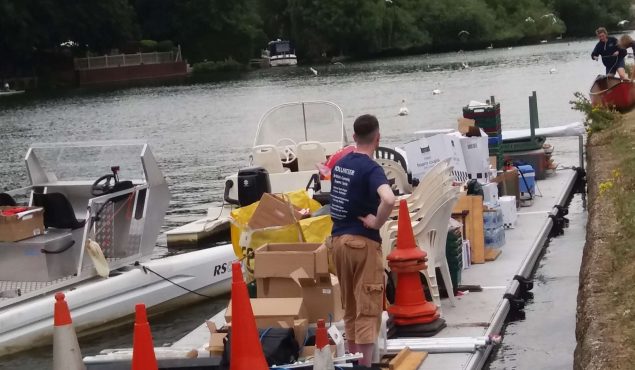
[216, 30]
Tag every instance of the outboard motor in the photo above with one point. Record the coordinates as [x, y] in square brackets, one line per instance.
[253, 182]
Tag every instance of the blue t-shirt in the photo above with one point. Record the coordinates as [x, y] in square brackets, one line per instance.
[354, 183]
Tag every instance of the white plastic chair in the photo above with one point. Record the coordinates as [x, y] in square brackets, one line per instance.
[394, 170]
[309, 154]
[429, 233]
[268, 157]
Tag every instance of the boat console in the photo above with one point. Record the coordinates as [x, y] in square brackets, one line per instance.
[78, 187]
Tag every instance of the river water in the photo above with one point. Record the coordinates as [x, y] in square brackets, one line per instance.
[201, 133]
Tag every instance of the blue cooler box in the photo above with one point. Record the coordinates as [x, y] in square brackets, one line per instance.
[528, 185]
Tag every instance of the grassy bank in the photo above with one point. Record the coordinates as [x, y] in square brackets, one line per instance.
[606, 299]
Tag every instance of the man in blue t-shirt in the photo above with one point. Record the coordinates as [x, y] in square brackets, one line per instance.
[361, 201]
[612, 55]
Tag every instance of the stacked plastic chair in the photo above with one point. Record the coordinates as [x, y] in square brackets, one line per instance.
[430, 207]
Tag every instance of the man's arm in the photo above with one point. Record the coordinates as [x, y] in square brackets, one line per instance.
[386, 204]
[595, 53]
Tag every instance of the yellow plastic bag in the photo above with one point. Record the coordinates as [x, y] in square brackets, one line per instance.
[245, 240]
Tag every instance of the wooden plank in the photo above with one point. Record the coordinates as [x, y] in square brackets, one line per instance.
[492, 253]
[477, 241]
[407, 360]
[473, 222]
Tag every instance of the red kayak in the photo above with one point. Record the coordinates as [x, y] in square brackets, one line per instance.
[613, 92]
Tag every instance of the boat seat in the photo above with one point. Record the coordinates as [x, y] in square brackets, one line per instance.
[7, 200]
[58, 211]
[310, 153]
[268, 157]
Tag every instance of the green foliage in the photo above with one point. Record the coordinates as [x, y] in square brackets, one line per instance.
[165, 45]
[148, 46]
[238, 29]
[596, 118]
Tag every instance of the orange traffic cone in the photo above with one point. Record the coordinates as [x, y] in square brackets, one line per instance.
[66, 353]
[410, 305]
[322, 358]
[246, 350]
[143, 357]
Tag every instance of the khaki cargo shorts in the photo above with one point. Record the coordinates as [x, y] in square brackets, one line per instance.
[360, 269]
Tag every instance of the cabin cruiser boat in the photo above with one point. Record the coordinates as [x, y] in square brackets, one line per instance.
[99, 236]
[291, 139]
[280, 53]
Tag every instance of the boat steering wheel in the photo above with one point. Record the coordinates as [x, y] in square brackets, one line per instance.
[288, 150]
[99, 189]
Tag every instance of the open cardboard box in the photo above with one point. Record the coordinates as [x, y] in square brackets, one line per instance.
[22, 225]
[216, 344]
[272, 311]
[274, 211]
[283, 259]
[322, 297]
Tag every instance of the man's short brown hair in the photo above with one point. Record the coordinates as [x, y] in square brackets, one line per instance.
[601, 30]
[365, 128]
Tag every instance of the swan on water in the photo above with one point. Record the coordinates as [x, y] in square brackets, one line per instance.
[553, 70]
[436, 91]
[403, 111]
[491, 46]
[313, 70]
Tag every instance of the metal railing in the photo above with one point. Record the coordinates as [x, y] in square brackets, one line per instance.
[122, 60]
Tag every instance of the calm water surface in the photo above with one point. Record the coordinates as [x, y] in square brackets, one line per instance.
[202, 133]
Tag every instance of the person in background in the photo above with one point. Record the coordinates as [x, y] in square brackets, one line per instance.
[612, 56]
[626, 42]
[361, 201]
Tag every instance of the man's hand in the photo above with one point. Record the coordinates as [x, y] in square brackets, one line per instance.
[594, 57]
[370, 221]
[616, 53]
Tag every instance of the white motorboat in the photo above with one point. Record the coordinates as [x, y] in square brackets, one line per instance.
[280, 53]
[291, 139]
[122, 217]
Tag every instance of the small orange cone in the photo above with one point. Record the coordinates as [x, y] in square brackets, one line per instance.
[410, 305]
[66, 353]
[143, 357]
[321, 336]
[322, 359]
[246, 350]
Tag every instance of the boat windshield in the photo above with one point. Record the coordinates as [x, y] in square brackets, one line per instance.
[85, 161]
[302, 121]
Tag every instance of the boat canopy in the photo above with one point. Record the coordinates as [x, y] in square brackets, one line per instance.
[321, 121]
[84, 161]
[279, 47]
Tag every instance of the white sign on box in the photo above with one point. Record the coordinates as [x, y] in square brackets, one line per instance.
[424, 153]
[476, 154]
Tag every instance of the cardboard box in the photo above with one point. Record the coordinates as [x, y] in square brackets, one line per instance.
[277, 287]
[322, 297]
[272, 311]
[307, 260]
[274, 211]
[508, 184]
[424, 153]
[476, 155]
[216, 344]
[22, 225]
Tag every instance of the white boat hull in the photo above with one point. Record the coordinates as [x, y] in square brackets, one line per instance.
[96, 302]
[286, 60]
